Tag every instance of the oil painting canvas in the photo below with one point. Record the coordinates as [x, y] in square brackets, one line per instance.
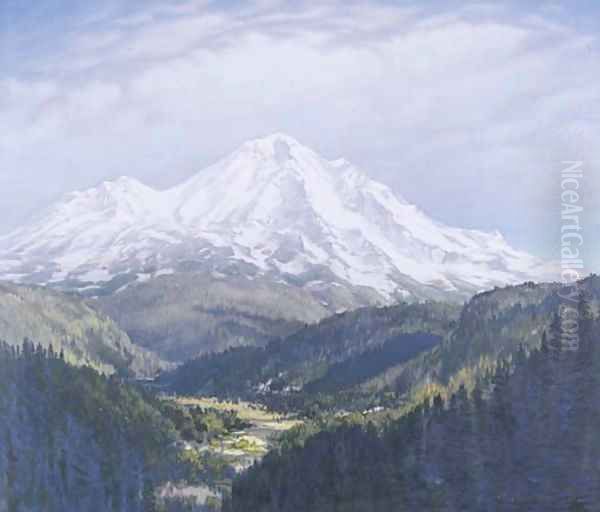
[299, 256]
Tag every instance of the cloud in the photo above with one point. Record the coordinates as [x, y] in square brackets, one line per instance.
[466, 111]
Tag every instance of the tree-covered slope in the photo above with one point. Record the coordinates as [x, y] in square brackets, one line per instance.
[394, 356]
[68, 323]
[184, 315]
[492, 325]
[72, 439]
[525, 440]
[332, 356]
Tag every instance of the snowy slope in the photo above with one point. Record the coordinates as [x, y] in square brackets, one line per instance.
[271, 208]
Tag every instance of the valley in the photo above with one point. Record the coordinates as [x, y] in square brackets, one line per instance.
[244, 447]
[223, 452]
[318, 256]
[231, 429]
[231, 389]
[279, 333]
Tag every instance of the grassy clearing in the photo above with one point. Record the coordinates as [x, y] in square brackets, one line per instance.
[249, 412]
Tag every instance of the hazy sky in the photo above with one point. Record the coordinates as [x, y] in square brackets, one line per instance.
[466, 109]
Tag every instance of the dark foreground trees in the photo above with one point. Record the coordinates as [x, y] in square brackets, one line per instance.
[527, 439]
[72, 439]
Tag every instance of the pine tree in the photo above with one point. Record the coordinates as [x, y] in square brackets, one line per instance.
[585, 319]
[555, 341]
[149, 497]
[545, 347]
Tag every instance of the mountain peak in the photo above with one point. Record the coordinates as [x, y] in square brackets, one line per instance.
[276, 146]
[123, 184]
[273, 138]
[277, 207]
[123, 181]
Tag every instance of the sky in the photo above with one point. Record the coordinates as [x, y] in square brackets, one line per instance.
[466, 109]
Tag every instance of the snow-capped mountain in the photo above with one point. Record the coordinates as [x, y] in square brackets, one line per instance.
[272, 208]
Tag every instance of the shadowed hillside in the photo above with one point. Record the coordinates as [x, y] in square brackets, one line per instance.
[333, 356]
[70, 325]
[523, 440]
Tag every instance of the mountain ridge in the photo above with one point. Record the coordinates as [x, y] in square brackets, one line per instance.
[85, 335]
[272, 207]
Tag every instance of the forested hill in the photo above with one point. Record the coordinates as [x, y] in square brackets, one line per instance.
[334, 355]
[492, 326]
[187, 314]
[68, 323]
[72, 440]
[525, 440]
[389, 357]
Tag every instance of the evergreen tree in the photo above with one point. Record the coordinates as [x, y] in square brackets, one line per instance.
[556, 333]
[149, 500]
